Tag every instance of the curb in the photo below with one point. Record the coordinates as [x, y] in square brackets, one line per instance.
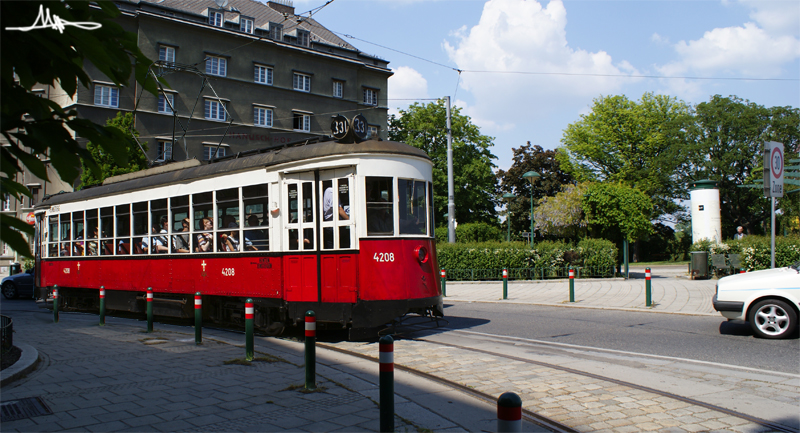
[593, 307]
[27, 362]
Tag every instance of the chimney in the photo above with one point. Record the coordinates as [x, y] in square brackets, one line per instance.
[282, 6]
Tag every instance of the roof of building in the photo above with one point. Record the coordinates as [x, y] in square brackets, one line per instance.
[262, 14]
[234, 164]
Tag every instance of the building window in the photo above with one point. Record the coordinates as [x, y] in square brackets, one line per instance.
[215, 18]
[302, 82]
[166, 54]
[301, 122]
[372, 132]
[163, 106]
[210, 152]
[216, 66]
[370, 97]
[215, 110]
[262, 117]
[6, 206]
[164, 151]
[338, 89]
[34, 198]
[106, 96]
[246, 25]
[276, 31]
[303, 38]
[263, 75]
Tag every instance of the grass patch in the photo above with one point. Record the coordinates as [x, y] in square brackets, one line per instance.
[243, 361]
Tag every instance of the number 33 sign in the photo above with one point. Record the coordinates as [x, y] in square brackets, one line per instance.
[348, 131]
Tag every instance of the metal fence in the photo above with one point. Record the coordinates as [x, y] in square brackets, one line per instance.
[6, 333]
[529, 273]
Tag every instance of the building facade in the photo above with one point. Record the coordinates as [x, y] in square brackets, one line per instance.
[241, 75]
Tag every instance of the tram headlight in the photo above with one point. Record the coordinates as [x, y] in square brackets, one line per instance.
[421, 253]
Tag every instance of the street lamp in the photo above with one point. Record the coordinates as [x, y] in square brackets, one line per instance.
[532, 176]
[508, 196]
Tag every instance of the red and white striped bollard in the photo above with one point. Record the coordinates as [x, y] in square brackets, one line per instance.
[509, 413]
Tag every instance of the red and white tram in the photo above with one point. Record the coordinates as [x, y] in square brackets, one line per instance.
[344, 229]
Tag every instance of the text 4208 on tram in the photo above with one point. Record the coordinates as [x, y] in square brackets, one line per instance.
[344, 229]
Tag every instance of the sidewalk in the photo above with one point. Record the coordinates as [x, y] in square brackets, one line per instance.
[672, 292]
[119, 378]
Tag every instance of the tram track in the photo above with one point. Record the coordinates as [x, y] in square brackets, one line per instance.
[535, 417]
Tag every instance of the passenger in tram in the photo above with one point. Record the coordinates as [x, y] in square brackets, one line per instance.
[229, 241]
[160, 243]
[327, 206]
[180, 243]
[205, 241]
[93, 244]
[78, 247]
[254, 240]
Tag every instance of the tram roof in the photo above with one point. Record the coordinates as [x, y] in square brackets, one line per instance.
[237, 164]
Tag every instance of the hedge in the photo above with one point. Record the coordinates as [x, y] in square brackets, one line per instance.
[546, 254]
[756, 250]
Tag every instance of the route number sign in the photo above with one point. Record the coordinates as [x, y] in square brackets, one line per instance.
[773, 169]
[340, 126]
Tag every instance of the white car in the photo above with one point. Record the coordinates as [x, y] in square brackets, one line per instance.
[769, 300]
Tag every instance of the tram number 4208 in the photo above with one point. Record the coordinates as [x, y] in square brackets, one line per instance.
[383, 257]
[228, 272]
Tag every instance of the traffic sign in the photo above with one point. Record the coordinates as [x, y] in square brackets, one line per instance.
[773, 169]
[30, 218]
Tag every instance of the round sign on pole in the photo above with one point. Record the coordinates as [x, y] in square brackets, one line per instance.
[340, 126]
[360, 126]
[30, 218]
[776, 164]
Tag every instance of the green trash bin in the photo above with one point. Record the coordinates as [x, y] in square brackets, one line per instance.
[699, 265]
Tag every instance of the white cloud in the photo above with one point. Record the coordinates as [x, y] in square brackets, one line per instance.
[522, 36]
[776, 17]
[404, 86]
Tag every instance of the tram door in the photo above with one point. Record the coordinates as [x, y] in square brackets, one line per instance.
[338, 270]
[300, 238]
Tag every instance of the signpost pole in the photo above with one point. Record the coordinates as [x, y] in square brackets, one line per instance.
[773, 185]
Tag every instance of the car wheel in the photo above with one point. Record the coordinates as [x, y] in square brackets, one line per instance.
[9, 290]
[772, 318]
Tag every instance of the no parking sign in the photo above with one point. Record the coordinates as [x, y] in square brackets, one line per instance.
[773, 169]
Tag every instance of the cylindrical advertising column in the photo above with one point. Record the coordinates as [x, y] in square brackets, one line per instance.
[706, 220]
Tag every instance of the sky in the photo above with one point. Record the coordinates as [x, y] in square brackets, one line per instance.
[546, 62]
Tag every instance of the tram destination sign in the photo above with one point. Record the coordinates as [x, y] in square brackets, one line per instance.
[347, 131]
[340, 126]
[773, 169]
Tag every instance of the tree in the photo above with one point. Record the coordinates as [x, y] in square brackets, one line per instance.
[641, 144]
[425, 126]
[617, 212]
[562, 215]
[56, 57]
[531, 158]
[137, 160]
[729, 135]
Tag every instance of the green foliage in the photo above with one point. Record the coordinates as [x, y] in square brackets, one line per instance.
[37, 126]
[546, 254]
[28, 264]
[639, 144]
[562, 215]
[728, 136]
[473, 232]
[531, 158]
[665, 244]
[137, 160]
[756, 251]
[617, 212]
[424, 126]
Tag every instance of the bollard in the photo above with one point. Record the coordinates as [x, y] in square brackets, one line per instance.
[571, 284]
[198, 319]
[311, 355]
[248, 329]
[742, 271]
[648, 293]
[444, 283]
[509, 413]
[386, 383]
[149, 309]
[505, 283]
[102, 305]
[55, 304]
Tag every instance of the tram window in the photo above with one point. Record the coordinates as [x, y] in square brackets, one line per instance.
[228, 208]
[180, 223]
[106, 231]
[343, 188]
[64, 223]
[293, 208]
[380, 206]
[412, 207]
[431, 223]
[123, 217]
[159, 242]
[140, 227]
[202, 205]
[78, 246]
[256, 203]
[344, 237]
[52, 236]
[308, 205]
[204, 242]
[91, 232]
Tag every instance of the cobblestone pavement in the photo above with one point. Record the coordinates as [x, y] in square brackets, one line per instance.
[587, 404]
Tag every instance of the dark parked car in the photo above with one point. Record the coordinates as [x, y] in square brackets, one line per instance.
[18, 285]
